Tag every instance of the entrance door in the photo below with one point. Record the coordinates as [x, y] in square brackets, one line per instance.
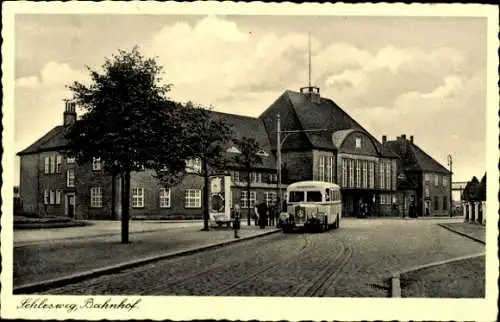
[70, 205]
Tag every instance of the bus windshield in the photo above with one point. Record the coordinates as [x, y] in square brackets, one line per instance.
[314, 196]
[296, 196]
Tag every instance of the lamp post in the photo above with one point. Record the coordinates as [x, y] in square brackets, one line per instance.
[279, 144]
[450, 164]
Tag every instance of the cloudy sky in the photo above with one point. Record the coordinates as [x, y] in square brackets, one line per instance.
[420, 76]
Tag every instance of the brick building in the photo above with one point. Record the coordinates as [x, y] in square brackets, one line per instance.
[342, 152]
[423, 183]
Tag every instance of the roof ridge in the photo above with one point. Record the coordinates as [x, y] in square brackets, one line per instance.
[427, 155]
[41, 141]
[297, 116]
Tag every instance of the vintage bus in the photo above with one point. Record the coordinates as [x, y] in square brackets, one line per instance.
[313, 205]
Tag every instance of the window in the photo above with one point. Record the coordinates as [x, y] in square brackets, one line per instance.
[436, 203]
[192, 198]
[382, 175]
[436, 180]
[273, 178]
[365, 174]
[58, 197]
[193, 165]
[256, 177]
[96, 197]
[388, 175]
[371, 175]
[47, 164]
[58, 164]
[269, 197]
[53, 164]
[296, 196]
[351, 173]
[96, 164]
[445, 181]
[358, 143]
[46, 197]
[137, 197]
[427, 177]
[427, 193]
[235, 176]
[358, 173]
[314, 196]
[70, 160]
[244, 199]
[329, 169]
[445, 203]
[262, 153]
[52, 197]
[164, 198]
[344, 172]
[70, 178]
[233, 150]
[321, 168]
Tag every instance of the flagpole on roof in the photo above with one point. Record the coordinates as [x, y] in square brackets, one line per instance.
[309, 54]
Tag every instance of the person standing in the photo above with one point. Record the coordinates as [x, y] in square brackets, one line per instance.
[272, 213]
[261, 210]
[236, 220]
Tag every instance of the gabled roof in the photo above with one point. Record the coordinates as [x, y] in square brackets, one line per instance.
[52, 140]
[413, 158]
[243, 126]
[301, 113]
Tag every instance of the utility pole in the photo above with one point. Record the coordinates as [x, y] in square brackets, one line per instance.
[450, 164]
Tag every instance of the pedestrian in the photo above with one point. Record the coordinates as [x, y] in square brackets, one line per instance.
[261, 212]
[236, 214]
[272, 213]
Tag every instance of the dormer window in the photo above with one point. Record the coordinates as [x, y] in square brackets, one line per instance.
[193, 165]
[233, 150]
[262, 153]
[358, 143]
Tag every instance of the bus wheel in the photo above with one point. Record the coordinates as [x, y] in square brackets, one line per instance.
[337, 222]
[326, 224]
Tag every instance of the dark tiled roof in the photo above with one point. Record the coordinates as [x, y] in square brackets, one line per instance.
[250, 127]
[325, 114]
[472, 190]
[414, 158]
[242, 126]
[52, 140]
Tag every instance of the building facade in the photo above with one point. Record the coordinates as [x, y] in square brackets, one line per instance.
[339, 150]
[424, 185]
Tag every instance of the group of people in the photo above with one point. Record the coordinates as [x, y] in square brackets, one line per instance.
[265, 214]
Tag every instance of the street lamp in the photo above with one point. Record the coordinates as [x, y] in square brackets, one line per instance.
[279, 144]
[450, 164]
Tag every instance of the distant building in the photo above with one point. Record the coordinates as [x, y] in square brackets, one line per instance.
[423, 183]
[474, 201]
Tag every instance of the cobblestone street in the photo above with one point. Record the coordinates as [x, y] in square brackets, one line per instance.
[355, 261]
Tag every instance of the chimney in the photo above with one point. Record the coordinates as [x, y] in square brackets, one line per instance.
[384, 139]
[403, 143]
[411, 139]
[69, 115]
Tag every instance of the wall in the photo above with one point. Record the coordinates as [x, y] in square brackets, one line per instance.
[299, 166]
[440, 191]
[28, 184]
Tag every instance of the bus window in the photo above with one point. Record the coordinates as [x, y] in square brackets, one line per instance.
[296, 196]
[328, 194]
[314, 196]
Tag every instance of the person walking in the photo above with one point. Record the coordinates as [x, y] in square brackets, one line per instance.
[236, 220]
[272, 213]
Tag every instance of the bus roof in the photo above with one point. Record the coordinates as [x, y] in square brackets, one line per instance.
[312, 184]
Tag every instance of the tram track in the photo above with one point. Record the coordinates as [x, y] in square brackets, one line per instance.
[240, 283]
[318, 286]
[163, 287]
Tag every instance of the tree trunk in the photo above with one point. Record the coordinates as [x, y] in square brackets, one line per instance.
[125, 205]
[206, 197]
[248, 198]
[113, 196]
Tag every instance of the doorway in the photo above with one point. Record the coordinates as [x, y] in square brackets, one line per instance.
[70, 205]
[427, 208]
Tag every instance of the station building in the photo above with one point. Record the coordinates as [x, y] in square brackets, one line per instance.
[342, 151]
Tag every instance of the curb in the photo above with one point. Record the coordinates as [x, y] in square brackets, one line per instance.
[58, 282]
[396, 277]
[463, 234]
